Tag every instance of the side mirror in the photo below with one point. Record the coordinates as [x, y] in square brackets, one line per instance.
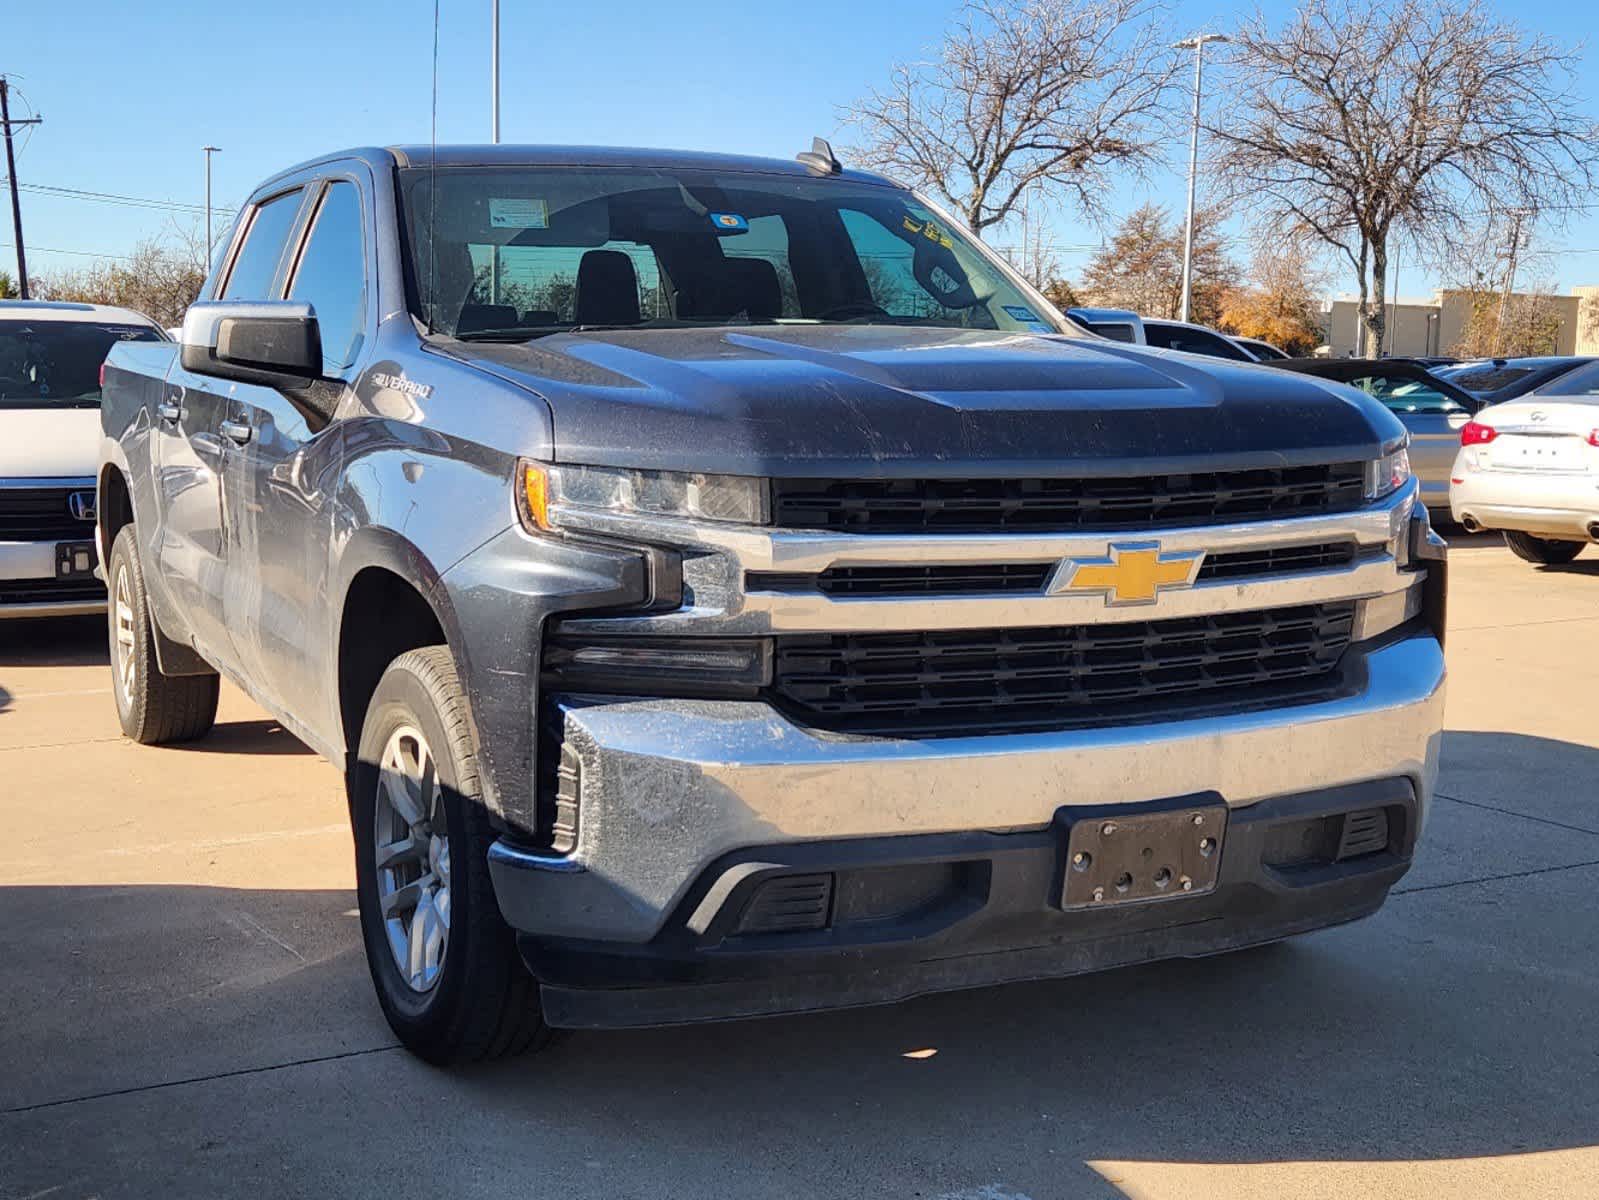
[275, 343]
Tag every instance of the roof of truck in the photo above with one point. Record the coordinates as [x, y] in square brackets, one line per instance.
[605, 156]
[68, 310]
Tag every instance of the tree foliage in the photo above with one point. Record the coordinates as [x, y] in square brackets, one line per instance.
[1359, 121]
[1522, 323]
[159, 279]
[8, 286]
[1022, 92]
[1280, 303]
[1141, 267]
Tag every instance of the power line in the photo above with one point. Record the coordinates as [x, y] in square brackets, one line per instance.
[58, 250]
[107, 197]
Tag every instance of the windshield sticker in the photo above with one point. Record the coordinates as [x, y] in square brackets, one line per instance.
[730, 223]
[518, 213]
[1023, 314]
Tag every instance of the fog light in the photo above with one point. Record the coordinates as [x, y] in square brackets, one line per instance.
[659, 666]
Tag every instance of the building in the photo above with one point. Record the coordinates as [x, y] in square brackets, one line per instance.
[1426, 327]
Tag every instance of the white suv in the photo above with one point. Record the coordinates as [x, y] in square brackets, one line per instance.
[50, 356]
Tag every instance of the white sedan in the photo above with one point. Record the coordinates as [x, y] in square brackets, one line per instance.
[1530, 467]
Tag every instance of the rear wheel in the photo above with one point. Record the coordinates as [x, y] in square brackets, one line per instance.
[1546, 552]
[443, 960]
[153, 708]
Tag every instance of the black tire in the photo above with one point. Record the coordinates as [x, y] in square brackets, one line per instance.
[1546, 552]
[483, 1003]
[154, 709]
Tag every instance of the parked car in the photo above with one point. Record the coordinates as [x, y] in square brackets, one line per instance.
[1262, 351]
[1530, 468]
[1193, 339]
[1500, 380]
[756, 600]
[50, 356]
[1432, 409]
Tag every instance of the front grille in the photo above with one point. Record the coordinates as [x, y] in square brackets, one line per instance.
[1003, 679]
[50, 591]
[1127, 502]
[972, 578]
[42, 514]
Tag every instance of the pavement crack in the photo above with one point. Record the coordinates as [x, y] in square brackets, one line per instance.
[1510, 812]
[172, 1083]
[1438, 887]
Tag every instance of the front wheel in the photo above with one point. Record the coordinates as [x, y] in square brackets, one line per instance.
[443, 960]
[1548, 552]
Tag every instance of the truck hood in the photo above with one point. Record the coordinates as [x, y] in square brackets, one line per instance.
[49, 443]
[889, 401]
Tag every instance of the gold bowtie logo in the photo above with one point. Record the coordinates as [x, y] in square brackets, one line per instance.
[1132, 573]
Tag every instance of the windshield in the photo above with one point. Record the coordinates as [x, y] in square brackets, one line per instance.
[519, 252]
[1481, 379]
[58, 362]
[1581, 384]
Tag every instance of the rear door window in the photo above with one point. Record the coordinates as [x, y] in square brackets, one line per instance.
[1406, 395]
[256, 265]
[331, 275]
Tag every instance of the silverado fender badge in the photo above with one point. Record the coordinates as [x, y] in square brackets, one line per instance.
[400, 383]
[1132, 573]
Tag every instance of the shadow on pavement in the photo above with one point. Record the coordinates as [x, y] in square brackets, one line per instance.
[265, 736]
[59, 642]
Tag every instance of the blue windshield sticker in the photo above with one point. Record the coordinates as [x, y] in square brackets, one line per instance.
[730, 223]
[1022, 313]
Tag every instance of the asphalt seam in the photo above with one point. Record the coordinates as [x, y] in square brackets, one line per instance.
[172, 1083]
[1438, 887]
[1518, 624]
[1510, 812]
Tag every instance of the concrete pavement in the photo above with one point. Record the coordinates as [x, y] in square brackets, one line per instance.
[184, 1008]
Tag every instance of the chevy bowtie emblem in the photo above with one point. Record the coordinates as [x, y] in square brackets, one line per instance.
[1132, 573]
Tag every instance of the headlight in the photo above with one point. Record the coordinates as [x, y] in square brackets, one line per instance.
[693, 497]
[1389, 473]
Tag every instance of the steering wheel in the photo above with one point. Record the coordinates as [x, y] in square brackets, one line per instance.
[852, 309]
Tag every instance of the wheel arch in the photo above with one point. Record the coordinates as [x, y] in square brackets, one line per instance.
[383, 573]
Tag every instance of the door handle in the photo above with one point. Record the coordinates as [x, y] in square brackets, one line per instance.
[168, 411]
[238, 432]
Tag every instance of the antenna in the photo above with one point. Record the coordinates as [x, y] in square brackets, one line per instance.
[433, 184]
[820, 158]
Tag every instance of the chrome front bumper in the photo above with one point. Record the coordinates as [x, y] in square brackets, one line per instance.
[668, 786]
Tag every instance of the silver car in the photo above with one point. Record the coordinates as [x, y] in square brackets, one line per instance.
[1530, 467]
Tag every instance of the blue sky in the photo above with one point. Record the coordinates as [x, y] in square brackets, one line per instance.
[130, 92]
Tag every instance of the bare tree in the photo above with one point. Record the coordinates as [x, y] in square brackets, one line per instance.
[160, 279]
[1359, 121]
[1023, 92]
[1141, 266]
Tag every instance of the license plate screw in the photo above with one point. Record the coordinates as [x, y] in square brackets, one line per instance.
[1188, 884]
[1081, 860]
[1108, 828]
[1199, 819]
[1099, 893]
[1206, 845]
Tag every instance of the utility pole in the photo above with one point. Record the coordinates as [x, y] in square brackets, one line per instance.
[6, 124]
[209, 151]
[1197, 45]
[1510, 279]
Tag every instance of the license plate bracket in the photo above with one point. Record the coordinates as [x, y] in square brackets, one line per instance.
[1143, 856]
[75, 560]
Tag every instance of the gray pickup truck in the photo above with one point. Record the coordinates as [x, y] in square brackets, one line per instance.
[730, 589]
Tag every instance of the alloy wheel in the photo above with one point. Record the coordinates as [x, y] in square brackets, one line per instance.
[412, 855]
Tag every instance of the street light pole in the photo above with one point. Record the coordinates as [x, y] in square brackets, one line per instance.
[209, 151]
[1197, 45]
[494, 75]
